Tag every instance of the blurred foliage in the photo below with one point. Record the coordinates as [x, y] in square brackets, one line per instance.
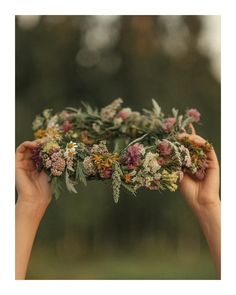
[61, 60]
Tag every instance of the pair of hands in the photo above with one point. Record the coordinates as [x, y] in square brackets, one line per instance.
[33, 187]
[35, 194]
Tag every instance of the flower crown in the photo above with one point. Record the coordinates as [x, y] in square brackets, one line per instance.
[133, 149]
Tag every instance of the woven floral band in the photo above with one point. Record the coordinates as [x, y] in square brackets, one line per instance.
[132, 149]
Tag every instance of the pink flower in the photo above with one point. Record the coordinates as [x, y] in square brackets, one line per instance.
[106, 173]
[200, 174]
[161, 161]
[67, 125]
[133, 155]
[124, 113]
[194, 113]
[64, 115]
[164, 148]
[168, 123]
[59, 164]
[36, 157]
[204, 164]
[48, 163]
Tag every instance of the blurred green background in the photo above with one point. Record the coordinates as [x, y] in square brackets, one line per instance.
[61, 60]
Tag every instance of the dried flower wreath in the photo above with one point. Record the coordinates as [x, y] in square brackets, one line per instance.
[146, 151]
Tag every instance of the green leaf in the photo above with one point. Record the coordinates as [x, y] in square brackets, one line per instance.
[180, 119]
[80, 173]
[128, 187]
[89, 110]
[137, 140]
[156, 108]
[69, 184]
[57, 187]
[120, 143]
[72, 109]
[175, 112]
[187, 121]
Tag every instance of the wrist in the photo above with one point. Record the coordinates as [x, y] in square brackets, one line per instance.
[30, 208]
[203, 211]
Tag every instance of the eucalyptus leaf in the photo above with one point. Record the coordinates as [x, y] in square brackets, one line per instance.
[187, 121]
[80, 173]
[72, 109]
[175, 112]
[69, 184]
[156, 108]
[57, 187]
[128, 187]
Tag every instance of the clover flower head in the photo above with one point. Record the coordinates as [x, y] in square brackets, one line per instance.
[108, 113]
[133, 155]
[164, 148]
[168, 124]
[194, 113]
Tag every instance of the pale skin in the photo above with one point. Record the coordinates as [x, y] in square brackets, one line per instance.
[35, 194]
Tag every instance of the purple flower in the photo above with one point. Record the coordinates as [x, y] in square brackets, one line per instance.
[204, 164]
[133, 155]
[106, 173]
[194, 113]
[168, 123]
[164, 148]
[36, 157]
[200, 174]
[161, 161]
[67, 125]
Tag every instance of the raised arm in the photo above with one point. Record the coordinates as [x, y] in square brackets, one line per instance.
[34, 196]
[203, 198]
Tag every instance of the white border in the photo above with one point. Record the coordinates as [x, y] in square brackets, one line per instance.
[7, 122]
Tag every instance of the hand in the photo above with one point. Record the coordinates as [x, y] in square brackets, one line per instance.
[202, 194]
[32, 186]
[203, 197]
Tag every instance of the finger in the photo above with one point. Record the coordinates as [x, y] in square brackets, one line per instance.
[211, 154]
[194, 138]
[24, 149]
[28, 144]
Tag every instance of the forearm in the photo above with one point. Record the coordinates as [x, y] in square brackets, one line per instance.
[210, 221]
[27, 219]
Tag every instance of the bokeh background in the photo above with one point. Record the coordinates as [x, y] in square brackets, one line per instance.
[61, 60]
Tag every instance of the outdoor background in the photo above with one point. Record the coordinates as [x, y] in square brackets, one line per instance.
[61, 60]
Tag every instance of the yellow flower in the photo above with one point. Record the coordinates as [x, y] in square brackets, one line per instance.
[50, 145]
[40, 133]
[127, 178]
[104, 161]
[170, 179]
[53, 133]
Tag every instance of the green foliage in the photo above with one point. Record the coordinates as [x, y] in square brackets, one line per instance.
[80, 173]
[57, 186]
[128, 188]
[69, 184]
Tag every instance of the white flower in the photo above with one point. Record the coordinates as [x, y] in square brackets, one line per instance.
[37, 123]
[89, 166]
[108, 113]
[53, 122]
[148, 181]
[150, 163]
[117, 121]
[70, 150]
